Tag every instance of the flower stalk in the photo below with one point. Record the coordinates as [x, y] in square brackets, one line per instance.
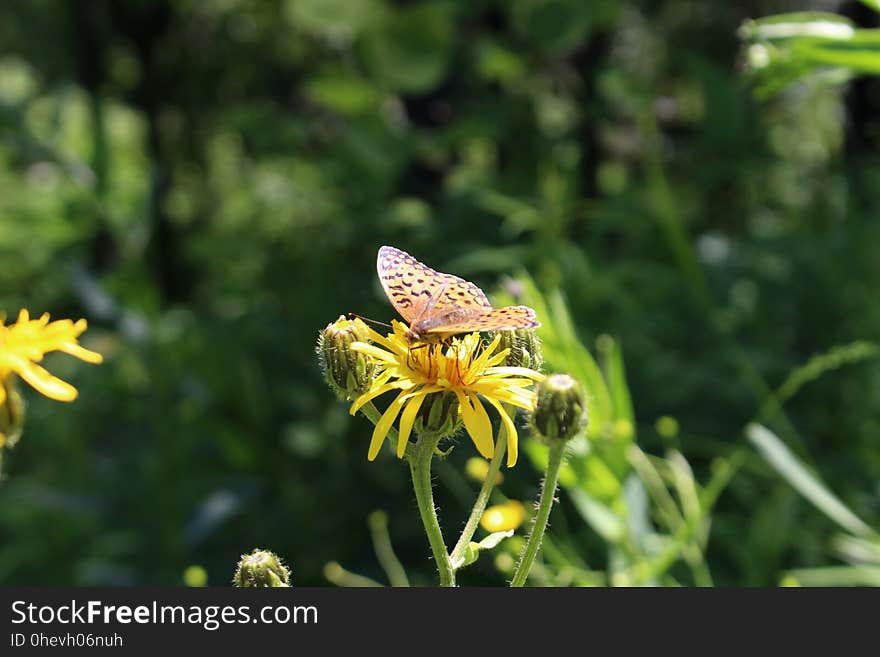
[536, 536]
[473, 521]
[420, 468]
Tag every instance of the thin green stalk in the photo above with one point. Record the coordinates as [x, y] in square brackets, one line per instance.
[338, 575]
[480, 504]
[378, 522]
[420, 468]
[540, 524]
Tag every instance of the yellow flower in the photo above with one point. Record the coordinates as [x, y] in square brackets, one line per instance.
[464, 367]
[24, 343]
[503, 517]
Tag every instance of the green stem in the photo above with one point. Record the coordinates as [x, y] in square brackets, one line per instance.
[480, 504]
[338, 575]
[540, 524]
[378, 521]
[420, 468]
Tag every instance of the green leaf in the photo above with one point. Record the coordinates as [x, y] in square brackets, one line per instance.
[615, 373]
[600, 517]
[833, 576]
[345, 94]
[848, 55]
[472, 552]
[410, 49]
[797, 25]
[872, 4]
[333, 19]
[557, 25]
[781, 459]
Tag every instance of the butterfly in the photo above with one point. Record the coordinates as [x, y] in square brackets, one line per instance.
[434, 303]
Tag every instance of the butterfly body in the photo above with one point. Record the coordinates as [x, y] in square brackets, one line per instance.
[441, 305]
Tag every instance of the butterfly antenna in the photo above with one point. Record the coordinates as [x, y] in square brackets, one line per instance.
[367, 319]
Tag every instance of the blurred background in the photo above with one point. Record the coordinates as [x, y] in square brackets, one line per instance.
[207, 182]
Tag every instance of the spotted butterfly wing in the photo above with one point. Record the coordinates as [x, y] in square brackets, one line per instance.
[508, 318]
[433, 302]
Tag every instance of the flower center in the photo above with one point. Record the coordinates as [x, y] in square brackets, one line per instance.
[445, 365]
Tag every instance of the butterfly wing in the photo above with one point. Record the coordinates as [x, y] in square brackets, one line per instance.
[415, 290]
[509, 318]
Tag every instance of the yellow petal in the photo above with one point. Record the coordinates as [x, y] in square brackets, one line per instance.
[383, 425]
[516, 371]
[510, 433]
[41, 380]
[374, 391]
[477, 422]
[407, 418]
[81, 352]
[373, 351]
[381, 339]
[482, 360]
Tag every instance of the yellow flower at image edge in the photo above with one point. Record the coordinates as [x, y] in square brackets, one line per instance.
[466, 368]
[24, 343]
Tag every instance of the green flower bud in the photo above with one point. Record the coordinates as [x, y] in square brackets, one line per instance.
[11, 413]
[438, 415]
[525, 349]
[261, 568]
[348, 372]
[560, 410]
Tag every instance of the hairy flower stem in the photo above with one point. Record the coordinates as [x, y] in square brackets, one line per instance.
[540, 524]
[420, 468]
[480, 503]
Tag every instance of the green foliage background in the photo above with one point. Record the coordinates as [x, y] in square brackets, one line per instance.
[208, 183]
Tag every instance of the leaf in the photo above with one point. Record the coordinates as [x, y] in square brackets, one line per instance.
[411, 48]
[872, 4]
[615, 373]
[834, 576]
[781, 459]
[472, 552]
[600, 517]
[345, 94]
[796, 25]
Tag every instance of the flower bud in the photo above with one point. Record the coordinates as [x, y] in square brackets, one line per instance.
[525, 349]
[560, 410]
[261, 568]
[348, 372]
[438, 415]
[11, 413]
